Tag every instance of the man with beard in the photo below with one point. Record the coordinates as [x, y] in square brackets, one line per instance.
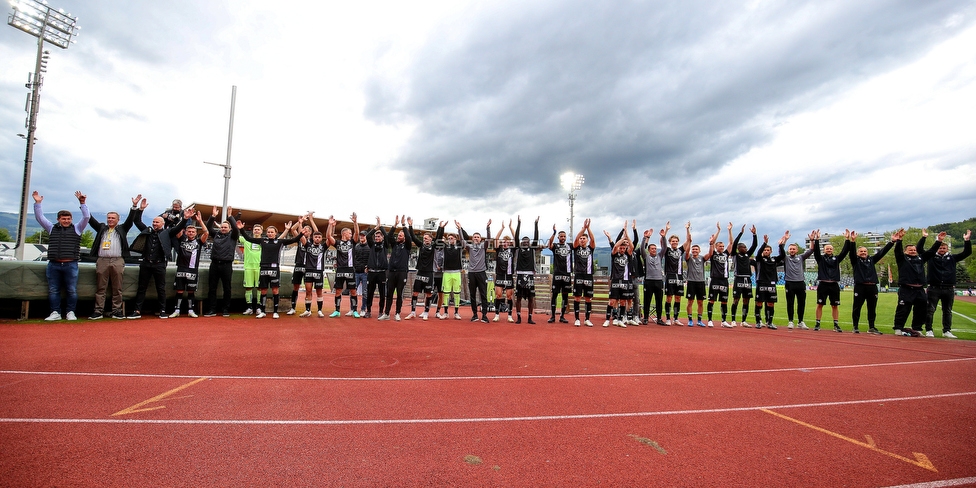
[562, 280]
[188, 248]
[866, 282]
[942, 283]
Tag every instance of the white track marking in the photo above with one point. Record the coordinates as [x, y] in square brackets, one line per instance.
[480, 419]
[804, 369]
[939, 484]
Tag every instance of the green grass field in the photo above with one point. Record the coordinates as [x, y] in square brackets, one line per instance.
[963, 320]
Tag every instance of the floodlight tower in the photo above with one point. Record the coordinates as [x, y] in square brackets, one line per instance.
[36, 18]
[571, 182]
[230, 145]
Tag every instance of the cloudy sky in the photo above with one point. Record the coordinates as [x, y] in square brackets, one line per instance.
[784, 114]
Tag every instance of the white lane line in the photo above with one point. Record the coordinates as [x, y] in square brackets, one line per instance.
[964, 316]
[804, 369]
[940, 483]
[477, 419]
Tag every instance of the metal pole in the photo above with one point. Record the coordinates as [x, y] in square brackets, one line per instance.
[28, 160]
[572, 199]
[230, 143]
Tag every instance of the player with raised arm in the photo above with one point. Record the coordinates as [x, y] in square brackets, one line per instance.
[345, 268]
[766, 278]
[794, 267]
[504, 273]
[866, 282]
[562, 279]
[719, 261]
[674, 271]
[828, 276]
[742, 283]
[424, 279]
[942, 283]
[188, 248]
[695, 289]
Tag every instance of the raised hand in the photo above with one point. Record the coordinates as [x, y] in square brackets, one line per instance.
[353, 218]
[37, 197]
[135, 200]
[81, 197]
[143, 204]
[753, 228]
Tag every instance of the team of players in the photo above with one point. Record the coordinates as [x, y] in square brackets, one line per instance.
[379, 260]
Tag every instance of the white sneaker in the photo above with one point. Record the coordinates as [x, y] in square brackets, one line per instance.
[510, 319]
[349, 313]
[803, 326]
[734, 324]
[457, 316]
[442, 316]
[249, 311]
[622, 324]
[745, 324]
[423, 316]
[275, 315]
[54, 316]
[633, 322]
[677, 322]
[397, 317]
[412, 315]
[606, 323]
[321, 314]
[496, 318]
[588, 323]
[306, 313]
[948, 335]
[259, 315]
[789, 325]
[383, 316]
[176, 313]
[710, 324]
[577, 323]
[291, 311]
[727, 325]
[667, 322]
[192, 314]
[759, 325]
[928, 333]
[70, 316]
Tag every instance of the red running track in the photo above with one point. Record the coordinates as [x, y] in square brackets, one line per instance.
[347, 402]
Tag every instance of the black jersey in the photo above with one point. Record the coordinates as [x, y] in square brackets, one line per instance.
[743, 261]
[300, 255]
[583, 260]
[719, 265]
[504, 261]
[620, 267]
[562, 258]
[452, 257]
[188, 253]
[271, 248]
[315, 257]
[766, 267]
[344, 255]
[425, 252]
[673, 260]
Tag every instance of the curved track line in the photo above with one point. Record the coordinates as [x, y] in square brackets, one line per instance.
[479, 419]
[491, 377]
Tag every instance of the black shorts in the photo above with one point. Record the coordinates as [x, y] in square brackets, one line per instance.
[186, 279]
[798, 287]
[673, 285]
[583, 286]
[298, 275]
[315, 278]
[765, 292]
[270, 278]
[345, 278]
[504, 281]
[561, 284]
[525, 285]
[743, 287]
[438, 280]
[617, 288]
[695, 290]
[423, 282]
[626, 290]
[828, 292]
[718, 291]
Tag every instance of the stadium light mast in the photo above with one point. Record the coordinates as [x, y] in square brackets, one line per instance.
[571, 182]
[230, 144]
[36, 18]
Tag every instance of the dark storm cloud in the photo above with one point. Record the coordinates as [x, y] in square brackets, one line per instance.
[654, 91]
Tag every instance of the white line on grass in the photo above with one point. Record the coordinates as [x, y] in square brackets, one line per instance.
[477, 419]
[803, 369]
